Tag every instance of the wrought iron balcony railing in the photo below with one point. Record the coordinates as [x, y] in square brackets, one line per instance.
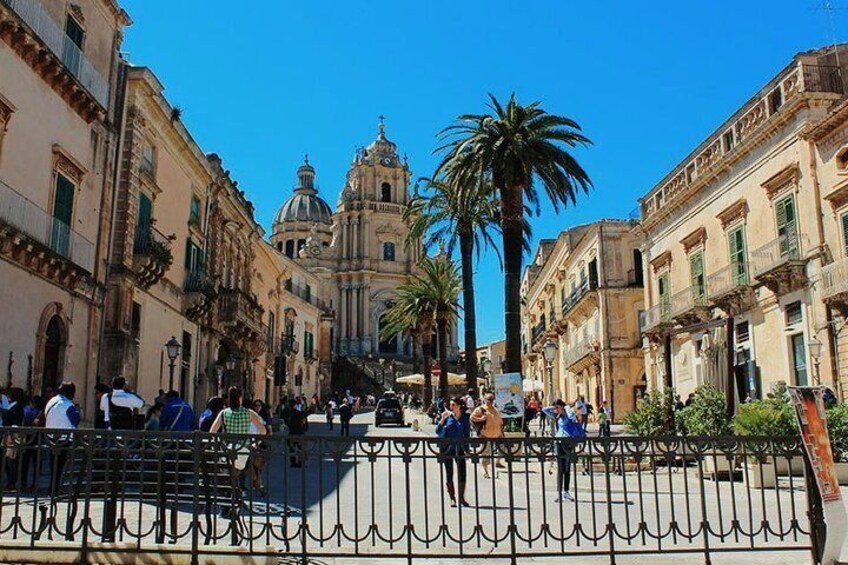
[579, 350]
[778, 252]
[28, 218]
[38, 19]
[728, 278]
[687, 300]
[656, 315]
[835, 279]
[199, 281]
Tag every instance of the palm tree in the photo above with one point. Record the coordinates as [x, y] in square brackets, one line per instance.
[457, 212]
[429, 298]
[520, 147]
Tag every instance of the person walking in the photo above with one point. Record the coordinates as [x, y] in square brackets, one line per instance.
[177, 415]
[61, 413]
[491, 428]
[330, 412]
[604, 420]
[345, 416]
[565, 426]
[581, 409]
[455, 426]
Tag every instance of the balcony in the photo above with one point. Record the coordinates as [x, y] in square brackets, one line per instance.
[730, 288]
[582, 354]
[835, 285]
[36, 240]
[780, 264]
[151, 255]
[240, 315]
[200, 292]
[657, 319]
[733, 139]
[28, 28]
[538, 331]
[689, 306]
[582, 300]
[307, 294]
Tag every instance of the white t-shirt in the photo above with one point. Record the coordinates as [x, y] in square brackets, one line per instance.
[120, 398]
[469, 402]
[581, 407]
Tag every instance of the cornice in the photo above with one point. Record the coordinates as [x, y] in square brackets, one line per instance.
[787, 177]
[736, 211]
[694, 239]
[661, 260]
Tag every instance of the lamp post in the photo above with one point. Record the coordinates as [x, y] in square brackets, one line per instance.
[550, 350]
[172, 347]
[815, 347]
[230, 364]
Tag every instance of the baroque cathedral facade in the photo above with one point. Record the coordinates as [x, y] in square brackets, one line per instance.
[359, 251]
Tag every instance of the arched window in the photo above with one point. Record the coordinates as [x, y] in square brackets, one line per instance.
[386, 192]
[280, 246]
[388, 251]
[290, 248]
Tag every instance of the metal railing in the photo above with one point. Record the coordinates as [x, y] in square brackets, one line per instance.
[27, 217]
[728, 278]
[579, 350]
[686, 300]
[240, 307]
[149, 240]
[822, 78]
[195, 496]
[538, 330]
[199, 281]
[39, 20]
[777, 252]
[657, 314]
[307, 295]
[586, 286]
[835, 278]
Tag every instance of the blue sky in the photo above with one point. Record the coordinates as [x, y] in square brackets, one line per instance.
[263, 82]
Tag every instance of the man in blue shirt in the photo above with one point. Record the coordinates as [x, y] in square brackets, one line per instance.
[565, 426]
[177, 415]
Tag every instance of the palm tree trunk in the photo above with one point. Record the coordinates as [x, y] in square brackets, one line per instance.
[442, 333]
[426, 338]
[415, 339]
[512, 214]
[469, 317]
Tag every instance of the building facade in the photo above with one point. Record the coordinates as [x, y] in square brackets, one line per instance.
[59, 77]
[359, 252]
[736, 239]
[583, 293]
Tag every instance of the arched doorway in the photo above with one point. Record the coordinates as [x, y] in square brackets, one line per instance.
[53, 354]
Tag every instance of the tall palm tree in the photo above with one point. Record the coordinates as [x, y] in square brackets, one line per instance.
[430, 297]
[520, 147]
[457, 212]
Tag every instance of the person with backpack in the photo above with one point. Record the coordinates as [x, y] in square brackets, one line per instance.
[565, 426]
[120, 406]
[177, 415]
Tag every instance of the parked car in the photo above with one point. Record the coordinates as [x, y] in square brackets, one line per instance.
[389, 410]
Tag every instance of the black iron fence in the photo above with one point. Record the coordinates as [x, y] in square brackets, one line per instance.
[121, 495]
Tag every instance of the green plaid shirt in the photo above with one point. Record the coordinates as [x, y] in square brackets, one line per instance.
[236, 421]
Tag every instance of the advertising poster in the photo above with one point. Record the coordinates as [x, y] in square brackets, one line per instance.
[812, 420]
[509, 397]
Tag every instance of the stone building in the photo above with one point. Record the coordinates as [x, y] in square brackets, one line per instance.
[583, 293]
[59, 106]
[736, 236]
[358, 251]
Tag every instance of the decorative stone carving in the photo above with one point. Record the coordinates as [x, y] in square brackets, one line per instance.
[694, 239]
[660, 261]
[787, 178]
[65, 163]
[736, 211]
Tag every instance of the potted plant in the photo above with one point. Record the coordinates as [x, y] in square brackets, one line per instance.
[768, 418]
[837, 428]
[651, 417]
[706, 417]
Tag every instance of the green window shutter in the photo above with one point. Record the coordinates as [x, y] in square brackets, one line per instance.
[188, 254]
[786, 225]
[63, 212]
[665, 297]
[737, 256]
[145, 215]
[696, 268]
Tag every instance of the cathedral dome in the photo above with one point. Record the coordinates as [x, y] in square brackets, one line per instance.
[305, 205]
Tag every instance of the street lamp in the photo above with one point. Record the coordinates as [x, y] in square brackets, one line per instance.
[550, 349]
[173, 350]
[815, 347]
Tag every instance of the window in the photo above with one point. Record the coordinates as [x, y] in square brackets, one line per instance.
[135, 321]
[308, 344]
[743, 333]
[288, 285]
[73, 45]
[290, 248]
[786, 226]
[665, 295]
[842, 159]
[280, 246]
[696, 272]
[388, 251]
[638, 279]
[728, 140]
[583, 279]
[194, 260]
[385, 192]
[775, 100]
[148, 159]
[307, 293]
[194, 211]
[143, 223]
[738, 257]
[63, 211]
[593, 273]
[794, 314]
[272, 330]
[799, 359]
[301, 243]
